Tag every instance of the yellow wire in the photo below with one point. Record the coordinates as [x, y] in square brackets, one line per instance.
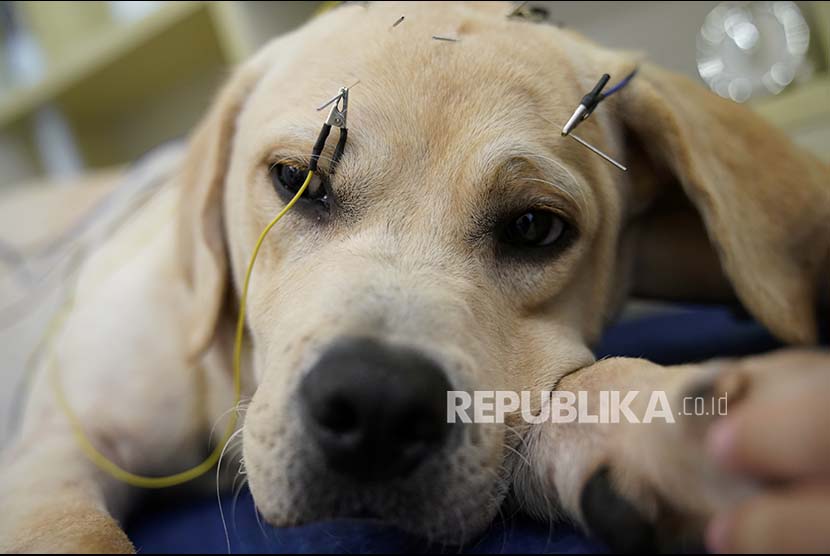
[325, 7]
[112, 468]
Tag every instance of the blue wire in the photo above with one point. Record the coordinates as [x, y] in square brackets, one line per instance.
[621, 84]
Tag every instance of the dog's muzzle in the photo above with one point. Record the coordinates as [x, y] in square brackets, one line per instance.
[374, 411]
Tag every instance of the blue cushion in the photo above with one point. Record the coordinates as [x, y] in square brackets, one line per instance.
[193, 525]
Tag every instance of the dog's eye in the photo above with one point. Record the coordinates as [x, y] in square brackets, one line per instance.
[535, 228]
[289, 178]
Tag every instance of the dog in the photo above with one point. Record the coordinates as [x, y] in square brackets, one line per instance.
[461, 244]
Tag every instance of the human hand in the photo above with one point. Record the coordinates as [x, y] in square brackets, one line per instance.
[782, 438]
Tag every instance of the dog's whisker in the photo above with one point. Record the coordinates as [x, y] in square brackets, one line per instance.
[234, 501]
[240, 408]
[518, 434]
[235, 478]
[218, 490]
[240, 471]
[258, 519]
[550, 506]
[461, 528]
[503, 528]
[522, 458]
[499, 484]
[521, 454]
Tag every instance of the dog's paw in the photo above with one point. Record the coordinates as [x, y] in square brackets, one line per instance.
[656, 488]
[626, 529]
[613, 518]
[651, 486]
[70, 530]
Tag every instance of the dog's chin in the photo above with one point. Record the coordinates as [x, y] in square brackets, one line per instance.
[449, 499]
[452, 523]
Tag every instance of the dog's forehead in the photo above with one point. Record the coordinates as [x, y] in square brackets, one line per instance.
[424, 109]
[500, 73]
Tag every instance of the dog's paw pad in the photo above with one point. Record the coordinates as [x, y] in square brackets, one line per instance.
[612, 518]
[620, 524]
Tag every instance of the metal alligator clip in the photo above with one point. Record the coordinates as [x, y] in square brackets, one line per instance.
[336, 118]
[586, 107]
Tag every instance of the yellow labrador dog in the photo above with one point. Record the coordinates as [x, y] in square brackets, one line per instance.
[461, 244]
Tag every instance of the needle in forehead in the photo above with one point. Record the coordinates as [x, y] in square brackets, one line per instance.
[590, 147]
[595, 150]
[337, 97]
[517, 10]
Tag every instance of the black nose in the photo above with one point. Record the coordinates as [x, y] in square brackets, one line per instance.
[375, 411]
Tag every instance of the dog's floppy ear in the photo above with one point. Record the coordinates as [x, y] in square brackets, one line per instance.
[201, 243]
[764, 204]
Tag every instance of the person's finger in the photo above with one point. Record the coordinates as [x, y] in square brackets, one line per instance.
[780, 437]
[787, 522]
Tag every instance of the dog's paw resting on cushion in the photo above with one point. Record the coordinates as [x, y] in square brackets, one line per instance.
[653, 486]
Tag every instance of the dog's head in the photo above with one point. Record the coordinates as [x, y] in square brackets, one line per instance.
[461, 243]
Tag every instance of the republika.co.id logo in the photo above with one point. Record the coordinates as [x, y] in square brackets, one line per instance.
[606, 406]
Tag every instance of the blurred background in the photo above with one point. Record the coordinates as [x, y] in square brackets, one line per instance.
[94, 85]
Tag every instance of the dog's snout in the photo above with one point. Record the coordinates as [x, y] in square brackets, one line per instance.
[375, 411]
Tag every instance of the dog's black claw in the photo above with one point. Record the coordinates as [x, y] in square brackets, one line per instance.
[613, 519]
[684, 546]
